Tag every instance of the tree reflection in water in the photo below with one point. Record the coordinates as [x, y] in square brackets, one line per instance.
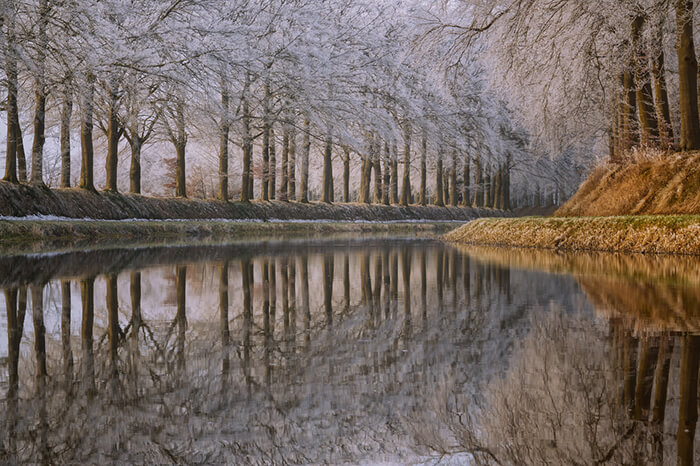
[385, 351]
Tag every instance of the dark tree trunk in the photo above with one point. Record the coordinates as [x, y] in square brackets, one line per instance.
[394, 174]
[291, 177]
[478, 183]
[406, 185]
[224, 130]
[688, 406]
[87, 149]
[687, 76]
[272, 178]
[423, 170]
[265, 185]
[453, 179]
[386, 185]
[12, 110]
[66, 112]
[246, 176]
[135, 168]
[327, 194]
[306, 149]
[649, 129]
[439, 200]
[113, 134]
[465, 184]
[377, 166]
[630, 112]
[346, 174]
[366, 174]
[284, 181]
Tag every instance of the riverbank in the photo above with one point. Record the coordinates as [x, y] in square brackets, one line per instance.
[24, 200]
[41, 236]
[658, 234]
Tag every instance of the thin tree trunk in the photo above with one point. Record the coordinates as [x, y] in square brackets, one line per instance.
[346, 174]
[265, 185]
[272, 179]
[376, 164]
[246, 176]
[453, 179]
[687, 76]
[327, 195]
[394, 174]
[645, 100]
[112, 140]
[87, 148]
[37, 177]
[21, 156]
[291, 177]
[386, 185]
[304, 186]
[465, 185]
[284, 183]
[658, 69]
[630, 112]
[439, 200]
[477, 201]
[406, 185]
[180, 169]
[365, 175]
[225, 126]
[66, 112]
[423, 170]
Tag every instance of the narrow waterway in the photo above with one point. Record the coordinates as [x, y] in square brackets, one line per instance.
[347, 350]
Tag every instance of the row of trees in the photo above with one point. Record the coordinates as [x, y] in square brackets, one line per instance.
[589, 75]
[275, 82]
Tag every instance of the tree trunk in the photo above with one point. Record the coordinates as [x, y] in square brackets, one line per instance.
[386, 185]
[453, 179]
[406, 185]
[394, 174]
[487, 189]
[645, 100]
[346, 174]
[506, 184]
[423, 170]
[630, 112]
[86, 144]
[376, 164]
[21, 156]
[291, 177]
[246, 181]
[304, 186]
[180, 169]
[687, 76]
[265, 186]
[477, 202]
[135, 168]
[112, 141]
[12, 110]
[663, 112]
[37, 177]
[272, 178]
[465, 184]
[366, 173]
[327, 193]
[224, 129]
[439, 201]
[66, 112]
[284, 182]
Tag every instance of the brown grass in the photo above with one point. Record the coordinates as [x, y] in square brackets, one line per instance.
[650, 185]
[672, 234]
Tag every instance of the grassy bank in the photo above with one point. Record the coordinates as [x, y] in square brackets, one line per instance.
[24, 200]
[29, 236]
[664, 184]
[667, 234]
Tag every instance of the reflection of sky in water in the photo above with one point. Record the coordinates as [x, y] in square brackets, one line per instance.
[377, 377]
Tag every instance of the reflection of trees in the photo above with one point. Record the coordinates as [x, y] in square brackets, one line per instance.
[219, 388]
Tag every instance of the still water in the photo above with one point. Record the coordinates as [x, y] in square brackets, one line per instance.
[348, 351]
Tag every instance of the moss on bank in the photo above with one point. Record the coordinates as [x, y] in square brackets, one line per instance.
[672, 234]
[24, 200]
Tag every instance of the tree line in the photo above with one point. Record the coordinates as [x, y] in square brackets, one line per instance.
[288, 88]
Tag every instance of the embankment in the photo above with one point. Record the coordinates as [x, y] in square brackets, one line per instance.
[660, 234]
[664, 184]
[24, 200]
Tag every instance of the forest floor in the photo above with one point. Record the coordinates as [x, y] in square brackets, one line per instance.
[650, 205]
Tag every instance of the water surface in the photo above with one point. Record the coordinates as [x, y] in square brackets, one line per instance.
[346, 351]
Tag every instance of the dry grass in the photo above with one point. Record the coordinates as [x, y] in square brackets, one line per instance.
[651, 184]
[672, 234]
